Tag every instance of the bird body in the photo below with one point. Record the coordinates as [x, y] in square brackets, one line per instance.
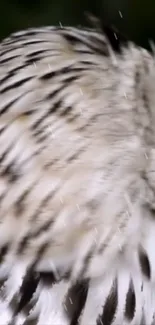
[77, 190]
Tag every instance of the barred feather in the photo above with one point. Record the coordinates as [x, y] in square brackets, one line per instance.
[77, 190]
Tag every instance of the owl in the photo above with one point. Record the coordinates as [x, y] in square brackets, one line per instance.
[77, 179]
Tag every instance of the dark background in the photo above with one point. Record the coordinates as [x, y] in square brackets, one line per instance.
[135, 18]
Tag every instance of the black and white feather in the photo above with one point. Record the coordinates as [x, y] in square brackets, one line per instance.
[77, 179]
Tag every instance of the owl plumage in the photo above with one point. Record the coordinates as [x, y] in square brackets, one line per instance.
[77, 190]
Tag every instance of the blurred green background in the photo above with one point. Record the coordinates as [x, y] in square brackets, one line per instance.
[135, 18]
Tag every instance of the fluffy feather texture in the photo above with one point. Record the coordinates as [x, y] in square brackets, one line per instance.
[77, 181]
